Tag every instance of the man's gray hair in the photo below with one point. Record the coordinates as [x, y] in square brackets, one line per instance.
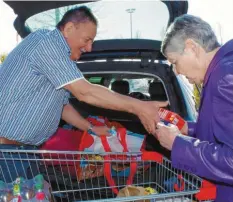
[189, 27]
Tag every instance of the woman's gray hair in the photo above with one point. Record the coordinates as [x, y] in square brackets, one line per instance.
[189, 27]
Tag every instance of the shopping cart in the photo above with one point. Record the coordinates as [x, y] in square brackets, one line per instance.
[61, 169]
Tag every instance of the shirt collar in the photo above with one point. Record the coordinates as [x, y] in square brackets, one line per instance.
[61, 40]
[224, 50]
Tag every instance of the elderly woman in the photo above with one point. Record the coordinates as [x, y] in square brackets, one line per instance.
[204, 148]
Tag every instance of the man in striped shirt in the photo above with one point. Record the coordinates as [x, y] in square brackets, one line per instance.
[38, 75]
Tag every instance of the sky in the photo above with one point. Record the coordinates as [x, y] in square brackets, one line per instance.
[218, 13]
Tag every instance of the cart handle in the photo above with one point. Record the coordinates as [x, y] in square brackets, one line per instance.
[207, 191]
[152, 156]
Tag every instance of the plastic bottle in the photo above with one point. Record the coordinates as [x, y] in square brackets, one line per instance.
[17, 188]
[2, 192]
[39, 188]
[4, 195]
[27, 192]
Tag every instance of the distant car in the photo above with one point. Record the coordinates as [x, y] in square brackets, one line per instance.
[129, 64]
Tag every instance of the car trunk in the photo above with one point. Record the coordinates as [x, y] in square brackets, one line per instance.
[131, 61]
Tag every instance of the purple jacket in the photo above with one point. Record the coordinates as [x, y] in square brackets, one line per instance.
[208, 150]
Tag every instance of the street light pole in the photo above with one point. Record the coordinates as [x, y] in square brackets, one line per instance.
[57, 15]
[131, 11]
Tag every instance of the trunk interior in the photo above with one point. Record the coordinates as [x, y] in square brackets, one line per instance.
[149, 83]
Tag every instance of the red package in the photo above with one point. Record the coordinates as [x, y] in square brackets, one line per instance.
[171, 117]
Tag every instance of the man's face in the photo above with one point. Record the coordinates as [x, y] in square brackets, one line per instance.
[189, 64]
[79, 37]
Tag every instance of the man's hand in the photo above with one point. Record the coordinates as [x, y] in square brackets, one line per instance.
[99, 96]
[101, 130]
[148, 114]
[166, 134]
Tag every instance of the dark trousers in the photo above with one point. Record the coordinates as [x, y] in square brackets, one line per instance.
[17, 161]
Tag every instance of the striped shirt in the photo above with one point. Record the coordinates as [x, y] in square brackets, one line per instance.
[31, 81]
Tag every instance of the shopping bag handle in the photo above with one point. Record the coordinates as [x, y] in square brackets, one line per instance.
[121, 133]
[179, 186]
[108, 173]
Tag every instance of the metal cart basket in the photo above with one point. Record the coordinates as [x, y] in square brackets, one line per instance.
[84, 176]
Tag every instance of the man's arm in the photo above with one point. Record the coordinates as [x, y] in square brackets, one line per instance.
[103, 97]
[71, 116]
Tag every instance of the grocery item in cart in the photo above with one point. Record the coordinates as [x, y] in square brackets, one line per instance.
[5, 192]
[39, 188]
[136, 191]
[141, 191]
[22, 190]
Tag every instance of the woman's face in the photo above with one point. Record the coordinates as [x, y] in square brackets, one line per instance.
[189, 63]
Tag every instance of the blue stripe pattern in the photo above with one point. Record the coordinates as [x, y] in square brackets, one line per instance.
[31, 81]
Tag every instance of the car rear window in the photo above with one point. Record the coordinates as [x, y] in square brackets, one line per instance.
[117, 19]
[138, 86]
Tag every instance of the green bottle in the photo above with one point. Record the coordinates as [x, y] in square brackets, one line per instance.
[39, 187]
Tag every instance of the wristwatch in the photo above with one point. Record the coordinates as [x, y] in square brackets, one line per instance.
[90, 129]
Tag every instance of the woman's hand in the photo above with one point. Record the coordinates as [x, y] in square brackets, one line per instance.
[166, 135]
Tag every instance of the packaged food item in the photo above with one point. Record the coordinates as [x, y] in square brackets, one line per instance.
[150, 190]
[136, 191]
[171, 117]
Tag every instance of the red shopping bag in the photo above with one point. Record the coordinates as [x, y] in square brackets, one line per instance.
[64, 140]
[107, 167]
[69, 140]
